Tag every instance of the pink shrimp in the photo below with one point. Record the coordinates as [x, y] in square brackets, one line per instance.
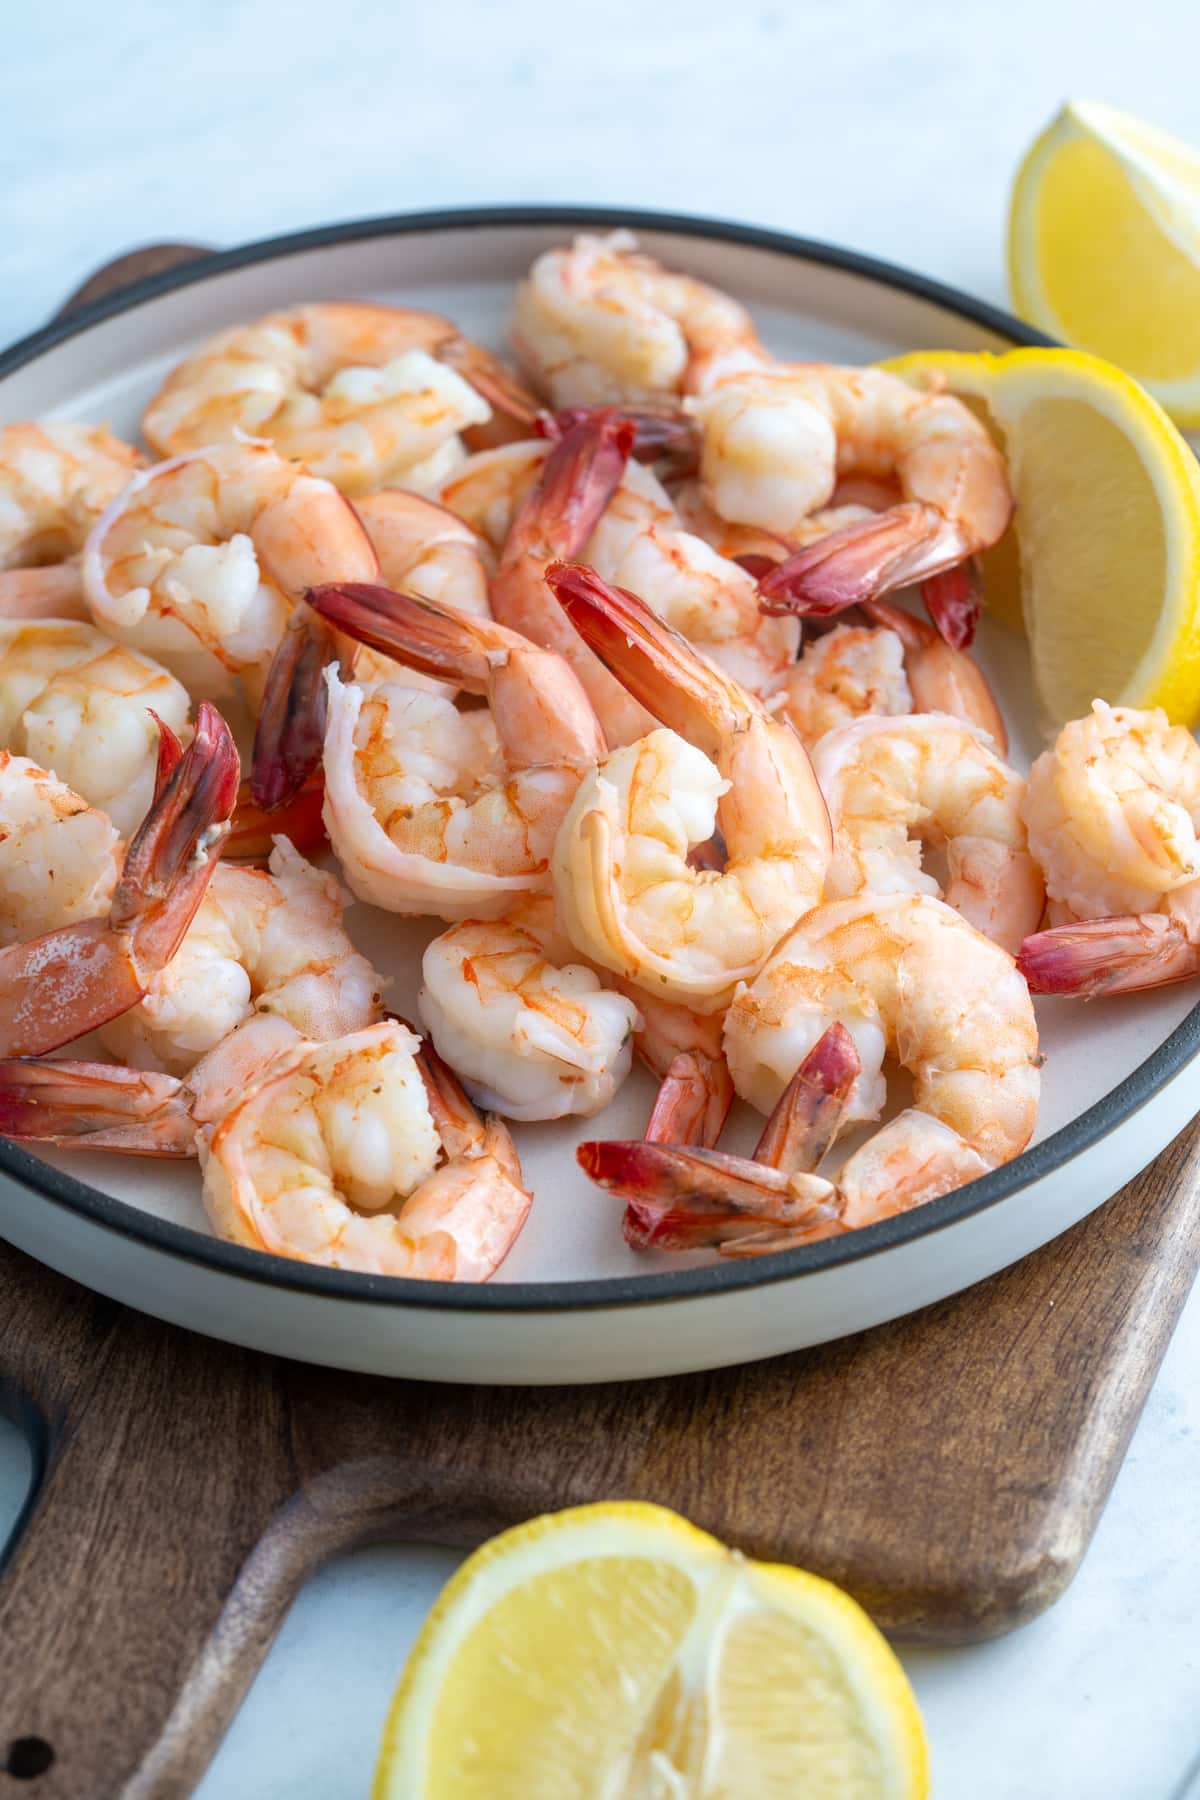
[56, 987]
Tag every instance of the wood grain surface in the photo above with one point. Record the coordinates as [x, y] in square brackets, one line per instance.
[948, 1469]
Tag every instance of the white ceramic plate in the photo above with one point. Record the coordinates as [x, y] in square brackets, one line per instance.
[572, 1303]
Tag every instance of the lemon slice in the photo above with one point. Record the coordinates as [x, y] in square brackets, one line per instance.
[1107, 526]
[1104, 246]
[617, 1651]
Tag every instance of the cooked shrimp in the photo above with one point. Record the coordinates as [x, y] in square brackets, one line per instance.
[265, 961]
[200, 560]
[59, 857]
[1113, 812]
[68, 981]
[89, 709]
[55, 481]
[528, 1029]
[629, 532]
[892, 784]
[942, 676]
[598, 321]
[364, 1153]
[364, 395]
[422, 547]
[264, 965]
[906, 974]
[626, 893]
[432, 810]
[775, 441]
[851, 672]
[681, 1197]
[574, 485]
[639, 542]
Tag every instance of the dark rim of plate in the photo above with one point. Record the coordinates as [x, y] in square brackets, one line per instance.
[104, 1211]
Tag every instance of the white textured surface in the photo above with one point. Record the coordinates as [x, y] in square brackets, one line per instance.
[891, 129]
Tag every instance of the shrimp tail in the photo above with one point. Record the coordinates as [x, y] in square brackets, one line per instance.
[492, 380]
[290, 734]
[860, 562]
[95, 1106]
[578, 479]
[174, 851]
[1108, 956]
[683, 1198]
[170, 754]
[648, 657]
[809, 1112]
[423, 634]
[56, 987]
[692, 1102]
[681, 1194]
[954, 601]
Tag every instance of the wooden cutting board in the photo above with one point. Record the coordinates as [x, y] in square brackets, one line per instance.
[948, 1469]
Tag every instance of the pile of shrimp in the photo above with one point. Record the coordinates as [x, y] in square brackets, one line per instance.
[643, 674]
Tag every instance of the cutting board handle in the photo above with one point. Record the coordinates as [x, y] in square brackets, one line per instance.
[123, 271]
[162, 1547]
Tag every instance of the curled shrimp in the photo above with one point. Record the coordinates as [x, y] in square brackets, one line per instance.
[433, 810]
[685, 1197]
[529, 1030]
[59, 857]
[894, 784]
[264, 965]
[364, 395]
[364, 1153]
[640, 542]
[1113, 811]
[599, 321]
[904, 974]
[955, 497]
[55, 481]
[422, 547]
[851, 672]
[630, 533]
[68, 981]
[200, 560]
[265, 961]
[89, 709]
[627, 895]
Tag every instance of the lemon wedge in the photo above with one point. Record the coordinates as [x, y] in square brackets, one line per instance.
[615, 1649]
[1104, 246]
[1106, 529]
